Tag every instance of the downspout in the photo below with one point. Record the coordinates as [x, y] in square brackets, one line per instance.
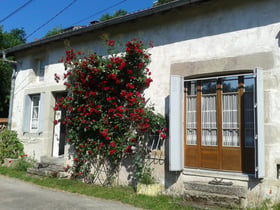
[12, 88]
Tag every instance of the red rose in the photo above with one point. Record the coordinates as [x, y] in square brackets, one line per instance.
[113, 144]
[112, 152]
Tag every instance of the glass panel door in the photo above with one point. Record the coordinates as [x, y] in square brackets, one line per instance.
[209, 113]
[191, 113]
[230, 112]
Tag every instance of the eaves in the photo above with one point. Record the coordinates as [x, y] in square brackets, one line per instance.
[103, 25]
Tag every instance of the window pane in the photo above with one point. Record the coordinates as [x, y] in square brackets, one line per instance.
[249, 83]
[249, 119]
[209, 120]
[191, 112]
[209, 112]
[230, 120]
[191, 120]
[230, 111]
[35, 101]
[249, 111]
[35, 112]
[231, 138]
[34, 124]
[209, 86]
[191, 137]
[230, 84]
[191, 88]
[41, 69]
[209, 137]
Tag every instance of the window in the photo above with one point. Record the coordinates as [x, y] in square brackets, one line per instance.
[221, 125]
[41, 69]
[33, 115]
[35, 105]
[218, 126]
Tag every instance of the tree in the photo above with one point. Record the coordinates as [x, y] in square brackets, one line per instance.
[13, 38]
[54, 31]
[8, 39]
[118, 13]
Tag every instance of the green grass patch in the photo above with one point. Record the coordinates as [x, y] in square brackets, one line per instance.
[123, 194]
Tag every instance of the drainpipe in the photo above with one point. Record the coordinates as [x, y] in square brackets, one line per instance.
[12, 87]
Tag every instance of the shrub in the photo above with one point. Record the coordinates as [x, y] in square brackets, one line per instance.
[24, 163]
[10, 146]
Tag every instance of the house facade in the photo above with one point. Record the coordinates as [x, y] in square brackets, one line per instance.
[215, 70]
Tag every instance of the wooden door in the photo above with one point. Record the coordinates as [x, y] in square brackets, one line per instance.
[214, 129]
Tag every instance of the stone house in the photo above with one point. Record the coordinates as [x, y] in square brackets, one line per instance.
[215, 71]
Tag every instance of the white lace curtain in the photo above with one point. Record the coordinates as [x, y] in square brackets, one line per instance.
[208, 121]
[230, 120]
[191, 120]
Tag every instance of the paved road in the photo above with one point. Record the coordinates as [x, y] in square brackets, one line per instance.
[18, 195]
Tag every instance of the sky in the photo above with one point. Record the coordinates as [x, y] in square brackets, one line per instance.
[37, 17]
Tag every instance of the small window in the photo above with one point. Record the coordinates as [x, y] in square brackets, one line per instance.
[34, 122]
[41, 69]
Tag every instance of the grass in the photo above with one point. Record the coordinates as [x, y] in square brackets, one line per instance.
[123, 194]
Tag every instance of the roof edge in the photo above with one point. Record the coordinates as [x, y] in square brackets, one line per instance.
[103, 24]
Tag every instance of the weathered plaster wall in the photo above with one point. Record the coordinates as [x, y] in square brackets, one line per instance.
[216, 36]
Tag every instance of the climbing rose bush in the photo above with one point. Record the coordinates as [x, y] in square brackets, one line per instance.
[105, 105]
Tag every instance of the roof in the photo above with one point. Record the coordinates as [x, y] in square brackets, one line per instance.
[103, 24]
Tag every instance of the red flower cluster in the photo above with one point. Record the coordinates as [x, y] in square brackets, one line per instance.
[106, 102]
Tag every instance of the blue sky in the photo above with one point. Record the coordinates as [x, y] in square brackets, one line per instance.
[81, 12]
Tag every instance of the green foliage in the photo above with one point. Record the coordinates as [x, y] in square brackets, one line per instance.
[118, 13]
[105, 104]
[5, 75]
[24, 163]
[54, 31]
[13, 38]
[8, 39]
[143, 170]
[10, 146]
[158, 123]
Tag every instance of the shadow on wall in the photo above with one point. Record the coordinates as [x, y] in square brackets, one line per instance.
[278, 37]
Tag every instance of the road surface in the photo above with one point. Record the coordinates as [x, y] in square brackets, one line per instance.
[19, 195]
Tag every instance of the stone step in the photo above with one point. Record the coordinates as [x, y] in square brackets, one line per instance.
[49, 172]
[215, 194]
[52, 160]
[219, 188]
[212, 200]
[49, 166]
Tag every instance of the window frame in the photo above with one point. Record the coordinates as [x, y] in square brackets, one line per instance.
[40, 69]
[32, 109]
[27, 113]
[176, 136]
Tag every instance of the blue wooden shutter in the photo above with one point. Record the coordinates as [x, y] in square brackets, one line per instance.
[26, 114]
[176, 113]
[41, 112]
[259, 124]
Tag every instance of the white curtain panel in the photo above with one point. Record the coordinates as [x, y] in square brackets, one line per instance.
[209, 120]
[230, 120]
[191, 120]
